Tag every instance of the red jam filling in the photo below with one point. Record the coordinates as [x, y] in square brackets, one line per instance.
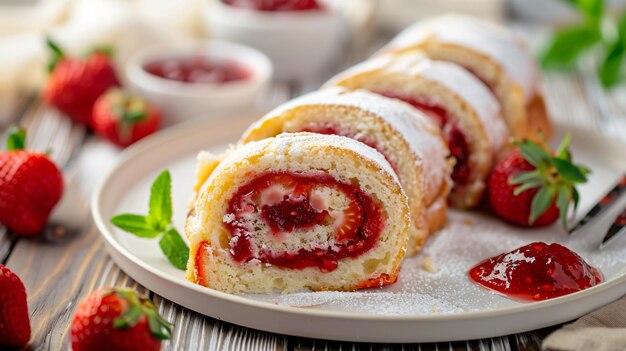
[329, 129]
[275, 5]
[457, 142]
[198, 69]
[357, 231]
[535, 272]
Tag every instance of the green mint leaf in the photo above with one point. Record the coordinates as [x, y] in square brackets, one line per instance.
[533, 153]
[160, 210]
[17, 139]
[135, 224]
[541, 202]
[562, 202]
[568, 171]
[174, 248]
[567, 45]
[611, 69]
[591, 9]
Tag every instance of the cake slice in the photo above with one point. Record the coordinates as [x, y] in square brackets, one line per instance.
[461, 105]
[407, 138]
[495, 55]
[298, 212]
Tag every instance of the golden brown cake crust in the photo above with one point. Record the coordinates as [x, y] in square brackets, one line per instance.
[539, 125]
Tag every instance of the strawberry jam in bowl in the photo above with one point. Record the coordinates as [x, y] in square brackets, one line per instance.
[199, 69]
[275, 5]
[300, 220]
[535, 272]
[199, 79]
[301, 37]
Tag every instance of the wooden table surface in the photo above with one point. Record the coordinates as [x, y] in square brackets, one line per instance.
[70, 261]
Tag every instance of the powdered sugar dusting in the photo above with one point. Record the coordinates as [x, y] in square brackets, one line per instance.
[498, 43]
[458, 247]
[294, 141]
[473, 92]
[509, 260]
[422, 135]
[388, 304]
[449, 75]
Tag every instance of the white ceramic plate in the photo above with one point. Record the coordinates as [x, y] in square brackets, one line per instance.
[420, 307]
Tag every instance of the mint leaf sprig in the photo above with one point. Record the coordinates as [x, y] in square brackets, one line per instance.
[556, 177]
[158, 222]
[597, 30]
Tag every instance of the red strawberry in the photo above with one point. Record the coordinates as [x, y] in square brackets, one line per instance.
[347, 224]
[30, 186]
[533, 187]
[118, 319]
[14, 323]
[202, 261]
[75, 84]
[124, 119]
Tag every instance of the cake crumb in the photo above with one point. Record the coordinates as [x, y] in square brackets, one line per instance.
[468, 221]
[434, 309]
[429, 265]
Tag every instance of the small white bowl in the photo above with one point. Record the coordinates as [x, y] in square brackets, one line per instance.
[301, 44]
[180, 101]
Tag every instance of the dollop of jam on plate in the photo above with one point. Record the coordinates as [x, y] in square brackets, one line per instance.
[198, 69]
[535, 272]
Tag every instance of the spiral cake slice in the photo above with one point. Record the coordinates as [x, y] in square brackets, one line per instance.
[465, 110]
[407, 138]
[495, 55]
[299, 211]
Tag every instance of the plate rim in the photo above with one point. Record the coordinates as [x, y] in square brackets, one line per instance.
[178, 131]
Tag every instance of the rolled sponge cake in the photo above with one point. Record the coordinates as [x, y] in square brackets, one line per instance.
[494, 54]
[345, 228]
[407, 138]
[463, 107]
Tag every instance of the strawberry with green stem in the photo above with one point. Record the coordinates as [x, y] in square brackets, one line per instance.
[118, 319]
[75, 83]
[124, 118]
[30, 186]
[158, 222]
[534, 187]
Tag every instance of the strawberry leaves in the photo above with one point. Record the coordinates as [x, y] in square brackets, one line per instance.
[555, 177]
[158, 222]
[16, 139]
[137, 307]
[56, 54]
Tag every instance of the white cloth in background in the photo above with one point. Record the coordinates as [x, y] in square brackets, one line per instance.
[601, 330]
